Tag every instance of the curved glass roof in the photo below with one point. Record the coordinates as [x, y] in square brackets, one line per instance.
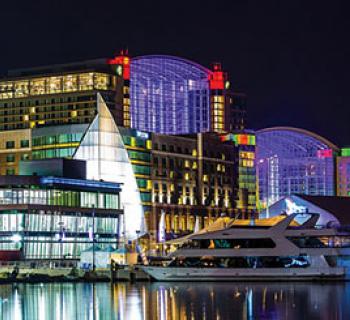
[169, 95]
[161, 65]
[291, 142]
[293, 161]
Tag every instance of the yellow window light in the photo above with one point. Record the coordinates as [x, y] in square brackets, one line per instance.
[149, 184]
[149, 144]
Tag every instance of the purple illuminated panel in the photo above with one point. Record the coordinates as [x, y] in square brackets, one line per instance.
[169, 95]
[293, 161]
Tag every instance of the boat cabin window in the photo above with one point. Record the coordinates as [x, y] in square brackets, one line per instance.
[231, 244]
[241, 262]
[321, 242]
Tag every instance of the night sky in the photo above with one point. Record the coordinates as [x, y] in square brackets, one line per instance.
[290, 57]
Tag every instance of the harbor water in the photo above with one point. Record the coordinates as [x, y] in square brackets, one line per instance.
[143, 301]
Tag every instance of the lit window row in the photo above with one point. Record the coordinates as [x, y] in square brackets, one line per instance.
[247, 163]
[59, 84]
[247, 155]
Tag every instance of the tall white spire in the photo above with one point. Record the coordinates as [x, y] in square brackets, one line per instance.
[106, 158]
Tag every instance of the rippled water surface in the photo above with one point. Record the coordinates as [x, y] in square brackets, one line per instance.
[104, 301]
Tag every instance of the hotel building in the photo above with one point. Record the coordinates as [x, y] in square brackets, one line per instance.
[154, 124]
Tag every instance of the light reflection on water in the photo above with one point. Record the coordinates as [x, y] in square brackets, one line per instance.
[143, 301]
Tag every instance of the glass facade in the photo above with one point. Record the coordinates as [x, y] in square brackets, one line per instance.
[57, 141]
[138, 145]
[293, 161]
[245, 142]
[106, 158]
[169, 95]
[57, 197]
[46, 221]
[55, 236]
[343, 173]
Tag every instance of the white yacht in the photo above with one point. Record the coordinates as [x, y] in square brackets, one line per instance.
[261, 250]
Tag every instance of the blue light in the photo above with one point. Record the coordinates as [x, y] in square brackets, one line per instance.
[81, 183]
[143, 135]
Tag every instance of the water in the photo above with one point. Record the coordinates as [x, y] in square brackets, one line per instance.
[103, 301]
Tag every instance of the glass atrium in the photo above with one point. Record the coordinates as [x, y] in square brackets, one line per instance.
[293, 161]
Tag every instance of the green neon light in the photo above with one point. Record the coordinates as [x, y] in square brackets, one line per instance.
[345, 152]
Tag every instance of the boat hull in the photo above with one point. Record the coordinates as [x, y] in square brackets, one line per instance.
[231, 274]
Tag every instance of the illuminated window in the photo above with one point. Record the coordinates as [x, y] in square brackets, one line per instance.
[37, 86]
[55, 84]
[86, 81]
[125, 90]
[21, 89]
[101, 81]
[70, 83]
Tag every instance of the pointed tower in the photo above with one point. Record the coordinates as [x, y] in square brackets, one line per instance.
[106, 158]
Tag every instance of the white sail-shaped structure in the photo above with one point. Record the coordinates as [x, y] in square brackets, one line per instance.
[106, 158]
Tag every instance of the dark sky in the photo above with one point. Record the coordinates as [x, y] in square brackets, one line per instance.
[291, 57]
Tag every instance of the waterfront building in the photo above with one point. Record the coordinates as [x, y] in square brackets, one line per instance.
[247, 182]
[194, 178]
[50, 96]
[51, 211]
[107, 159]
[293, 161]
[343, 173]
[59, 94]
[172, 95]
[162, 94]
[112, 114]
